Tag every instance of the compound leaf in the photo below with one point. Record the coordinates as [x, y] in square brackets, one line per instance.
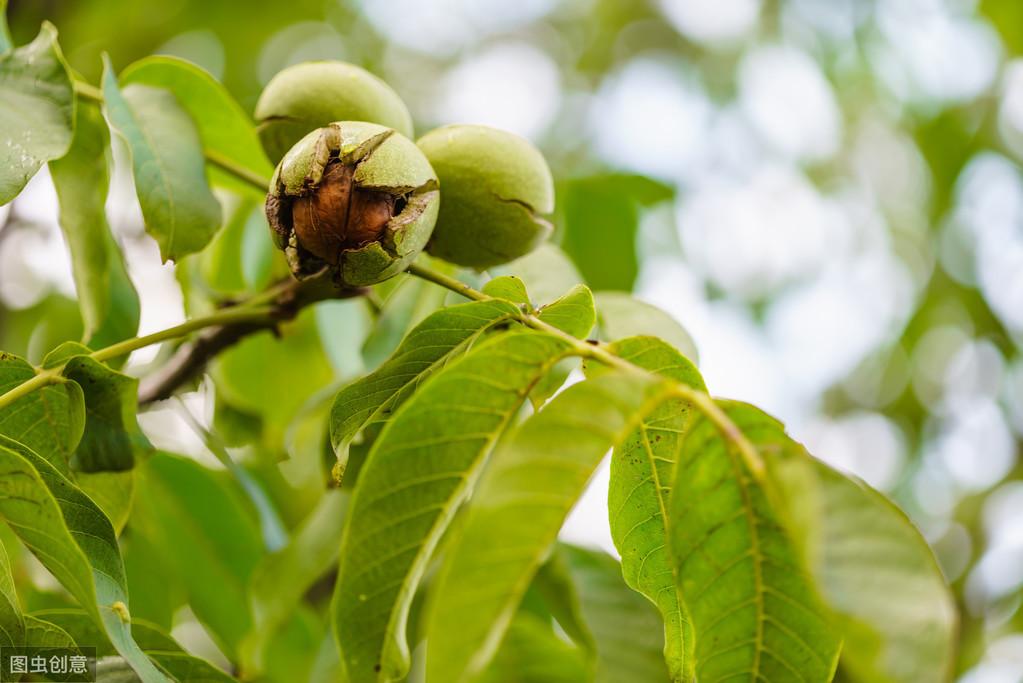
[421, 468]
[520, 504]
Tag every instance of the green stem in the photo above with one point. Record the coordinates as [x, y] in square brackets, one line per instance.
[43, 378]
[226, 164]
[215, 158]
[599, 352]
[239, 314]
[228, 316]
[448, 282]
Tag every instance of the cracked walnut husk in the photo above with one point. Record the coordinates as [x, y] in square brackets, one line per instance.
[354, 198]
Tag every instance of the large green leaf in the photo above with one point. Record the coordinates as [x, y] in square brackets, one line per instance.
[160, 646]
[106, 297]
[224, 127]
[515, 514]
[626, 629]
[73, 539]
[533, 652]
[179, 210]
[12, 621]
[642, 474]
[753, 607]
[427, 347]
[199, 522]
[873, 569]
[420, 469]
[281, 579]
[37, 110]
[620, 315]
[49, 420]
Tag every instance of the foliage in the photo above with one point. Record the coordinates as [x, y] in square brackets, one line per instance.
[742, 556]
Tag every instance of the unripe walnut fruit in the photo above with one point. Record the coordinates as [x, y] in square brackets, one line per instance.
[307, 96]
[354, 198]
[495, 188]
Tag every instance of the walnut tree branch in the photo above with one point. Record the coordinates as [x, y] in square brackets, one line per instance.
[191, 359]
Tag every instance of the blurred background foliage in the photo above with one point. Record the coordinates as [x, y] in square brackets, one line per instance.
[826, 193]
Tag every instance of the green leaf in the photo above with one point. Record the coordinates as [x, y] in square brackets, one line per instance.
[111, 491]
[573, 313]
[533, 652]
[642, 475]
[106, 296]
[626, 629]
[419, 471]
[186, 668]
[519, 505]
[873, 568]
[223, 126]
[620, 315]
[82, 630]
[753, 607]
[37, 110]
[208, 538]
[546, 272]
[179, 210]
[507, 287]
[160, 646]
[73, 539]
[112, 436]
[281, 579]
[427, 347]
[12, 621]
[49, 420]
[40, 633]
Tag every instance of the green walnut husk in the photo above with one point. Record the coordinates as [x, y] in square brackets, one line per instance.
[310, 95]
[496, 189]
[354, 199]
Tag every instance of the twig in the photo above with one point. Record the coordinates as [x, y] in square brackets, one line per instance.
[191, 359]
